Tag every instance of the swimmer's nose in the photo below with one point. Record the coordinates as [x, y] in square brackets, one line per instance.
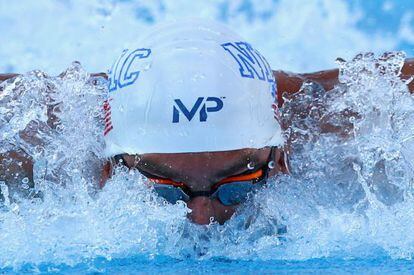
[205, 210]
[202, 210]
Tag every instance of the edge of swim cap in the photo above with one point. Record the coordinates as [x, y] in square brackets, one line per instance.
[276, 140]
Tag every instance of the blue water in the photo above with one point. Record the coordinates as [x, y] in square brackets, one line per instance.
[330, 228]
[141, 265]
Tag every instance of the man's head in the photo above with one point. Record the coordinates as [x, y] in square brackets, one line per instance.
[193, 102]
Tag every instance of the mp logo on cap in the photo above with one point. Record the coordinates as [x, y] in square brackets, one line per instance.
[199, 106]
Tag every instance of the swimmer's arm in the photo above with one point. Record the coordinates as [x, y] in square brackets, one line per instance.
[407, 72]
[292, 82]
[15, 166]
[7, 76]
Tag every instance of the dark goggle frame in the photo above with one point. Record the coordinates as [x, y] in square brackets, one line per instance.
[230, 191]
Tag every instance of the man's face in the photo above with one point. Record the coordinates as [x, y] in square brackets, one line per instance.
[200, 171]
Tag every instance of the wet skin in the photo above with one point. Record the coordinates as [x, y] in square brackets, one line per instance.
[200, 171]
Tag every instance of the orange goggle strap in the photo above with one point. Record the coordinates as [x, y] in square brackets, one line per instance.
[250, 177]
[167, 182]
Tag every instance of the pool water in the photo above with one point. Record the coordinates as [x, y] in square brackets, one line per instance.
[135, 265]
[348, 206]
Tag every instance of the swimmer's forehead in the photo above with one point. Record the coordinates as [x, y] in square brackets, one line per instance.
[188, 160]
[239, 154]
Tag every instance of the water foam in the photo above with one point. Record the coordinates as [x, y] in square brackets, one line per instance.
[349, 195]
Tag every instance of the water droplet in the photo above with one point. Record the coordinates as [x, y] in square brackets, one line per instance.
[147, 66]
[14, 207]
[137, 159]
[25, 186]
[60, 128]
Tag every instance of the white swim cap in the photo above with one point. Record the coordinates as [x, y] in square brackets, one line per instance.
[191, 86]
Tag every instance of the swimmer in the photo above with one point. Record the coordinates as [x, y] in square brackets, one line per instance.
[194, 108]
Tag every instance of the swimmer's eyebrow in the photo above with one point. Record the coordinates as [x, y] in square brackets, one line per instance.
[241, 168]
[154, 169]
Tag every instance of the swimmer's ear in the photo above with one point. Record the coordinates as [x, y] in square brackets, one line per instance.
[106, 174]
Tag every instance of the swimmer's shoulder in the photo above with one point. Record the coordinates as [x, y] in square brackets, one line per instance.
[104, 75]
[4, 77]
[290, 83]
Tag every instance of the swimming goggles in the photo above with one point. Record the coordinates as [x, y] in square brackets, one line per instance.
[229, 191]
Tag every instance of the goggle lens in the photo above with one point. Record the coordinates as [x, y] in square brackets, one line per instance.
[171, 193]
[235, 192]
[229, 194]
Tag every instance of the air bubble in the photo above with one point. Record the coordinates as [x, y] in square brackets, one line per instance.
[60, 128]
[271, 164]
[250, 166]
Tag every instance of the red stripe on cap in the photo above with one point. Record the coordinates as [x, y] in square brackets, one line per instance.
[108, 130]
[106, 105]
[107, 111]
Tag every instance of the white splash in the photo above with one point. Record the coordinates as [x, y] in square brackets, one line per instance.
[350, 195]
